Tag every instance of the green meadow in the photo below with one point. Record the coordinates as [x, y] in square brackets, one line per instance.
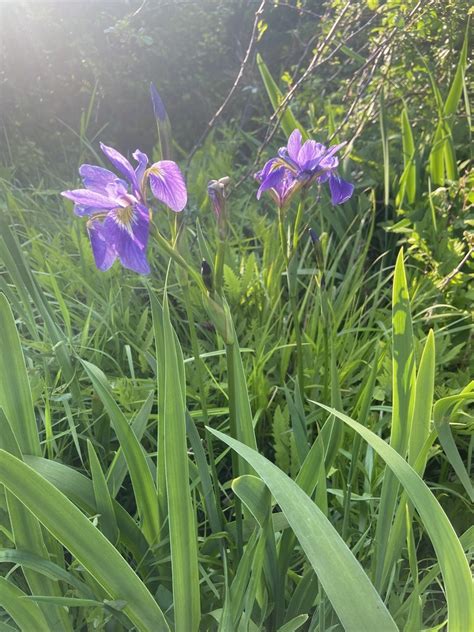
[271, 430]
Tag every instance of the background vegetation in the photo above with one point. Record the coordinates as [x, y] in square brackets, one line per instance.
[110, 518]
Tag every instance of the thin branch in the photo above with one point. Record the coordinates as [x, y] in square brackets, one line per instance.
[250, 47]
[456, 270]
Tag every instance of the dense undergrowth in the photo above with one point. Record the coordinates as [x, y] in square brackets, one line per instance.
[175, 459]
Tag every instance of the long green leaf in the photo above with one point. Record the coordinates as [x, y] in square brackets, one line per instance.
[355, 600]
[142, 479]
[288, 121]
[45, 567]
[17, 435]
[27, 615]
[404, 375]
[449, 552]
[409, 157]
[79, 489]
[441, 412]
[15, 393]
[92, 550]
[424, 391]
[182, 521]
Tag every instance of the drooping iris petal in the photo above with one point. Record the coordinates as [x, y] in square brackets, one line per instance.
[267, 169]
[87, 198]
[294, 144]
[97, 178]
[120, 163]
[271, 181]
[341, 190]
[167, 184]
[104, 255]
[126, 230]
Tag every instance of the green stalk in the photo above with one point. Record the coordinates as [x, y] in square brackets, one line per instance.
[201, 390]
[219, 266]
[291, 264]
[171, 252]
[230, 351]
[299, 217]
[292, 285]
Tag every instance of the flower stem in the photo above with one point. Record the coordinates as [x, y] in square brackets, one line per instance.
[202, 397]
[172, 252]
[230, 351]
[291, 264]
[219, 266]
[299, 216]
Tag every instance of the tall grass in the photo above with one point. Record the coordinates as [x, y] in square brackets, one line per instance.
[174, 461]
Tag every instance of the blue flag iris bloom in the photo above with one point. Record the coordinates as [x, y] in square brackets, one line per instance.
[299, 165]
[118, 213]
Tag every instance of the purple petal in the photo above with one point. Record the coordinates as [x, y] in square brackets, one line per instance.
[267, 169]
[87, 198]
[294, 144]
[272, 181]
[341, 190]
[104, 254]
[96, 178]
[128, 236]
[286, 187]
[167, 184]
[310, 154]
[85, 211]
[142, 160]
[328, 163]
[334, 148]
[120, 163]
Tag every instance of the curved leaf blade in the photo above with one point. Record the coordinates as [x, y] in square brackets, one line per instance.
[68, 525]
[452, 560]
[351, 593]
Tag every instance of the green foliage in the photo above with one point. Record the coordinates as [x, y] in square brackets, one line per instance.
[161, 464]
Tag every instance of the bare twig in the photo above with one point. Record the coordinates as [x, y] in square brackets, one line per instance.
[275, 119]
[243, 65]
[456, 270]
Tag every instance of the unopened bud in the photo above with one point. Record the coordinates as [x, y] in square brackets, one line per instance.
[158, 105]
[313, 236]
[217, 191]
[206, 274]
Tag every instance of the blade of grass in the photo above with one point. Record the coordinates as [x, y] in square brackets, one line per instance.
[181, 516]
[403, 360]
[142, 479]
[288, 121]
[449, 552]
[103, 500]
[353, 597]
[92, 550]
[26, 614]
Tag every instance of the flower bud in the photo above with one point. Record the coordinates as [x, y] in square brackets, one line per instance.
[217, 191]
[206, 274]
[313, 236]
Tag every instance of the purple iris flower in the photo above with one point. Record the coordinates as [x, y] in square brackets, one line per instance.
[119, 217]
[299, 165]
[278, 181]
